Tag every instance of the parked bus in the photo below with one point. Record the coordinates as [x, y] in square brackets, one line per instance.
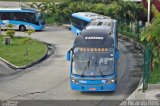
[22, 19]
[79, 20]
[93, 57]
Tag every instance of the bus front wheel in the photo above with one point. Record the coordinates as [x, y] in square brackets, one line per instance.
[22, 28]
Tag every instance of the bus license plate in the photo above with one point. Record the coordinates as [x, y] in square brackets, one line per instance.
[92, 89]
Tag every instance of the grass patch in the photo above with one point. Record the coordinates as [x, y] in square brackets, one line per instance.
[15, 53]
[155, 76]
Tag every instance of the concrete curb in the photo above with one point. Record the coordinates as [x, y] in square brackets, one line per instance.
[153, 86]
[48, 53]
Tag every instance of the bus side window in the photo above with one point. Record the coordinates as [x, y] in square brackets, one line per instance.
[26, 17]
[18, 16]
[0, 15]
[86, 23]
[15, 17]
[5, 16]
[33, 18]
[12, 16]
[80, 24]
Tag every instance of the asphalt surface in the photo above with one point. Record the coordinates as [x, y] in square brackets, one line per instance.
[7, 4]
[4, 70]
[49, 80]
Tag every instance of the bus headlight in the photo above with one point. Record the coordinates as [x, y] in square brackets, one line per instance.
[110, 81]
[74, 81]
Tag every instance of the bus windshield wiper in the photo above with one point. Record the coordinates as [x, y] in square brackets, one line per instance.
[99, 69]
[101, 73]
[82, 75]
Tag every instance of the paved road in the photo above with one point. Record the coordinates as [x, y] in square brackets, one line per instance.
[5, 70]
[49, 80]
[12, 4]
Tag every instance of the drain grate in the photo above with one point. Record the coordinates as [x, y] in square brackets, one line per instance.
[158, 96]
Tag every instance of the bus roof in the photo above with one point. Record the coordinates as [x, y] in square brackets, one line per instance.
[18, 10]
[94, 38]
[106, 24]
[88, 16]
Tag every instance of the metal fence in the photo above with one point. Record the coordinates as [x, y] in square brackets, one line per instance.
[147, 66]
[130, 28]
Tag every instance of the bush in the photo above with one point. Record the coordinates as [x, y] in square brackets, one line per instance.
[151, 35]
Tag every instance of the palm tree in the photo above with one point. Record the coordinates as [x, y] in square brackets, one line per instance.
[151, 35]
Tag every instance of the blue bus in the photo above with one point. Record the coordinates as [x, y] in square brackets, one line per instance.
[22, 18]
[93, 57]
[79, 20]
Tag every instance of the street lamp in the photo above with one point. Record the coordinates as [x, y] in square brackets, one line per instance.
[149, 10]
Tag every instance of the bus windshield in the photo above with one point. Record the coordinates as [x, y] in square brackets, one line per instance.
[92, 63]
[41, 18]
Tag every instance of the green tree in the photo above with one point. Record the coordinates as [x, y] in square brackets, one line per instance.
[130, 10]
[28, 40]
[112, 10]
[10, 32]
[100, 8]
[61, 12]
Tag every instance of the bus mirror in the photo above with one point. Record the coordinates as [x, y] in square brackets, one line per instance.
[68, 56]
[117, 54]
[78, 33]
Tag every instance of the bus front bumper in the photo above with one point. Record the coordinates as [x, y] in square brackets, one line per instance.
[107, 87]
[38, 28]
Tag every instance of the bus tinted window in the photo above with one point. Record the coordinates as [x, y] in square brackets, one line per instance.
[5, 16]
[20, 16]
[0, 15]
[78, 23]
[27, 17]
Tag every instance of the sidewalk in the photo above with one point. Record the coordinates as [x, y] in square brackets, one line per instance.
[150, 97]
[150, 94]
